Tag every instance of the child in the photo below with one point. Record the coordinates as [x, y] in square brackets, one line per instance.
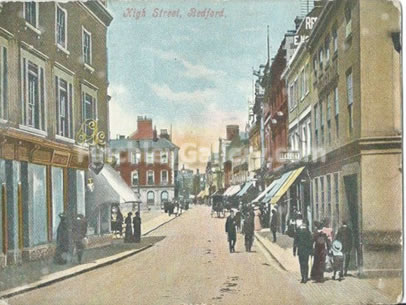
[338, 259]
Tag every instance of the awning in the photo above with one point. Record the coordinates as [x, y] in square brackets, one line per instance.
[201, 194]
[263, 194]
[234, 190]
[245, 188]
[228, 190]
[286, 184]
[103, 193]
[118, 184]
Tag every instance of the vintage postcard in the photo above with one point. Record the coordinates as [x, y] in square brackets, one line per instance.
[201, 152]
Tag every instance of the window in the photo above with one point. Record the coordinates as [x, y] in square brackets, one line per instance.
[164, 196]
[150, 197]
[135, 157]
[89, 110]
[31, 13]
[322, 195]
[329, 197]
[309, 137]
[150, 177]
[150, 157]
[33, 92]
[61, 24]
[134, 178]
[303, 84]
[164, 177]
[64, 95]
[307, 78]
[337, 111]
[321, 123]
[304, 141]
[350, 100]
[348, 27]
[327, 47]
[316, 199]
[3, 84]
[321, 59]
[316, 125]
[329, 118]
[87, 46]
[337, 199]
[315, 66]
[164, 157]
[291, 96]
[335, 40]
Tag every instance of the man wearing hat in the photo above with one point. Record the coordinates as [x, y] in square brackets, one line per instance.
[303, 243]
[62, 240]
[344, 235]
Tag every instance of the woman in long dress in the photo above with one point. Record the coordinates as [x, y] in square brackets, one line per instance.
[128, 237]
[321, 247]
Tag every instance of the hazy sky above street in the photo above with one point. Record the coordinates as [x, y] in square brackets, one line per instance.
[191, 72]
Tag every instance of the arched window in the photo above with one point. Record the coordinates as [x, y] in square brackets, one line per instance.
[150, 197]
[164, 196]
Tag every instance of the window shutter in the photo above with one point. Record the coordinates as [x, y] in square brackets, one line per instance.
[70, 115]
[42, 99]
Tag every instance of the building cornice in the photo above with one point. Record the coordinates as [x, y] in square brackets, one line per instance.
[98, 11]
[6, 34]
[319, 27]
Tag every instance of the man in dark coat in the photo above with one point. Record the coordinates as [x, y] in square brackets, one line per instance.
[79, 231]
[248, 231]
[274, 224]
[137, 227]
[303, 243]
[62, 240]
[231, 231]
[344, 235]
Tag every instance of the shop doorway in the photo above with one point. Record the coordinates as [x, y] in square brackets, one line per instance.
[351, 191]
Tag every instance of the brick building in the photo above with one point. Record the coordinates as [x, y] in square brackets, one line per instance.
[148, 163]
[51, 80]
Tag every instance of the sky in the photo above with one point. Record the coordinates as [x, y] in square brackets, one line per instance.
[190, 72]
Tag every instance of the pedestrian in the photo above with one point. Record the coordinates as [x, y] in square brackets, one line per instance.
[238, 220]
[303, 246]
[338, 259]
[231, 231]
[128, 230]
[137, 227]
[119, 222]
[328, 230]
[321, 248]
[248, 231]
[344, 235]
[62, 240]
[79, 231]
[274, 225]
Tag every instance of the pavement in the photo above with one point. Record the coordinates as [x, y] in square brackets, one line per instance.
[17, 279]
[191, 264]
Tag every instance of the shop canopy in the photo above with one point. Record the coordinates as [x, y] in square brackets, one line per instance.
[228, 190]
[285, 184]
[245, 188]
[263, 194]
[232, 190]
[201, 194]
[118, 184]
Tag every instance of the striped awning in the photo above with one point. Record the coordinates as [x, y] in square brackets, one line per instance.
[285, 185]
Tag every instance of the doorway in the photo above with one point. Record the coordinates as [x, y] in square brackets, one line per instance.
[351, 191]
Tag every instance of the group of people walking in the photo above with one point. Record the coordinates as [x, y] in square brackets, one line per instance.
[329, 254]
[70, 238]
[130, 221]
[233, 224]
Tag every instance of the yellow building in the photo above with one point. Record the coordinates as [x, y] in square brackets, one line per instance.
[356, 127]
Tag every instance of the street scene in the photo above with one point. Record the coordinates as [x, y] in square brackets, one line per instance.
[201, 152]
